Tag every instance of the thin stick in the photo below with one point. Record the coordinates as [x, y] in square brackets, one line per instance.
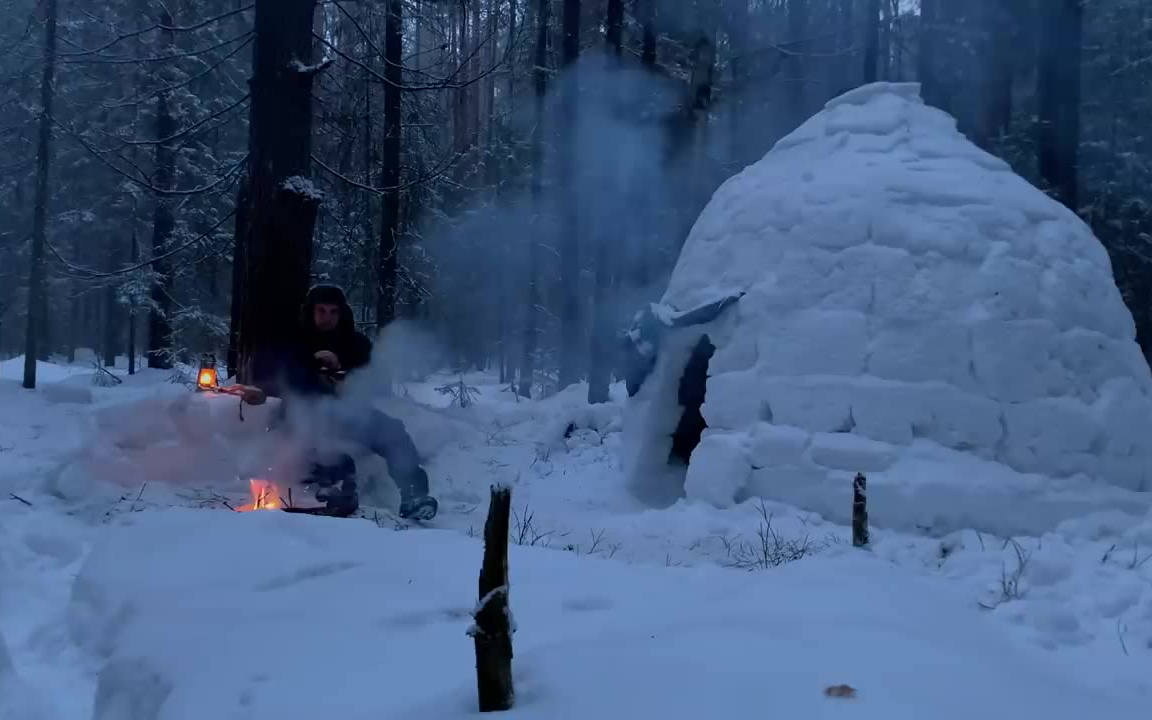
[860, 511]
[14, 496]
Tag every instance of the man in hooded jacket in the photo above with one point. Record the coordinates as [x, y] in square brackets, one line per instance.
[328, 344]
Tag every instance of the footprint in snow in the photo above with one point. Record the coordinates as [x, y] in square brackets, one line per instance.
[587, 604]
[304, 574]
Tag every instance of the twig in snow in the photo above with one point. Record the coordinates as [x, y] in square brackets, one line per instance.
[1107, 554]
[1137, 561]
[1120, 635]
[14, 496]
[1010, 588]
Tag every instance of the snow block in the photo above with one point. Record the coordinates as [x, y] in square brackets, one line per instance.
[777, 445]
[718, 469]
[846, 451]
[66, 393]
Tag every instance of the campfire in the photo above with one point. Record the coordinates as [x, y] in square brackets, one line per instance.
[265, 496]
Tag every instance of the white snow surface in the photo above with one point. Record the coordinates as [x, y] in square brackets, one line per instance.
[128, 591]
[912, 306]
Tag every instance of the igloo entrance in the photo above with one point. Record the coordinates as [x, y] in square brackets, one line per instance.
[690, 395]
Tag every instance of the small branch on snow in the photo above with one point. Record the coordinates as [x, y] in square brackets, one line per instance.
[14, 496]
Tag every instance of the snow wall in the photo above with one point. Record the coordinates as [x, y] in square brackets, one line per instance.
[905, 295]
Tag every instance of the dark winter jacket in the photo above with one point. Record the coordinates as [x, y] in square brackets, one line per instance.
[293, 369]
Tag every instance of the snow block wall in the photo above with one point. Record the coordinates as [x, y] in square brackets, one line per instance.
[903, 288]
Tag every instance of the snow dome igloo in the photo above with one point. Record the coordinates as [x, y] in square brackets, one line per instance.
[878, 288]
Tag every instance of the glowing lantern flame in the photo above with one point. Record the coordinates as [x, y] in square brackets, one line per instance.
[265, 496]
[207, 378]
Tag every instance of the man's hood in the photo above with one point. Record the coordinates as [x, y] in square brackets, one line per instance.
[330, 295]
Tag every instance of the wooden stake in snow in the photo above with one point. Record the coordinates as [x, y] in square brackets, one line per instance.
[493, 628]
[859, 511]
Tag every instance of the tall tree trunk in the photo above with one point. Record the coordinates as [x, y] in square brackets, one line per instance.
[886, 41]
[570, 326]
[1058, 97]
[600, 349]
[849, 55]
[135, 258]
[531, 307]
[871, 40]
[111, 324]
[160, 341]
[926, 53]
[736, 21]
[283, 201]
[798, 44]
[390, 174]
[999, 71]
[37, 306]
[647, 16]
[239, 251]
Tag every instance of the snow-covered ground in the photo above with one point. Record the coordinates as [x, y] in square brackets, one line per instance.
[129, 591]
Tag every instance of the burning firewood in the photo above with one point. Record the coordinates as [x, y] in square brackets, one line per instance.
[493, 628]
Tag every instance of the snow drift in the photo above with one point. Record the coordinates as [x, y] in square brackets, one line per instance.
[196, 614]
[899, 290]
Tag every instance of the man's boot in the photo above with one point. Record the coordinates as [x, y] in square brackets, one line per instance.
[416, 503]
[336, 486]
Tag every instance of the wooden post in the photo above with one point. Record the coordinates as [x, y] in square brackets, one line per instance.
[859, 511]
[493, 628]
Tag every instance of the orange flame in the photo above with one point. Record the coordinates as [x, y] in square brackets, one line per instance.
[207, 378]
[265, 496]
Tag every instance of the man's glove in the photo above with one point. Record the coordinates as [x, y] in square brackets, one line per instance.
[328, 359]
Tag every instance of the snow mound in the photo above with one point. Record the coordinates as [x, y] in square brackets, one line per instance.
[901, 287]
[196, 614]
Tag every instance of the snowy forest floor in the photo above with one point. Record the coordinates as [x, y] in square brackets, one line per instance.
[129, 591]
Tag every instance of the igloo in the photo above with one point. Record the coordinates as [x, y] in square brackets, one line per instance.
[877, 288]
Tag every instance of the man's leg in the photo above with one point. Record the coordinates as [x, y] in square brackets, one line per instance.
[391, 441]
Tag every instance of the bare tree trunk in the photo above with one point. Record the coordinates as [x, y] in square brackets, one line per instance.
[283, 201]
[871, 40]
[37, 306]
[390, 174]
[885, 42]
[926, 53]
[531, 308]
[160, 346]
[600, 349]
[135, 258]
[999, 71]
[111, 326]
[798, 44]
[1058, 95]
[239, 250]
[570, 325]
[647, 15]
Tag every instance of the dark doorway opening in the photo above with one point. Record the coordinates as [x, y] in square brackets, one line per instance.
[690, 394]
